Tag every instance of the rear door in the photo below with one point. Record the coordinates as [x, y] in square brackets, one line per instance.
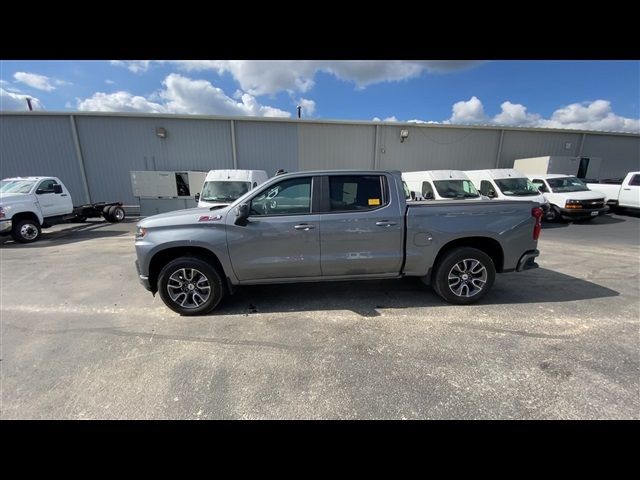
[630, 193]
[362, 226]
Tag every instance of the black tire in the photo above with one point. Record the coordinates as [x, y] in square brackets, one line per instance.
[26, 231]
[205, 269]
[106, 213]
[80, 219]
[460, 257]
[117, 214]
[553, 215]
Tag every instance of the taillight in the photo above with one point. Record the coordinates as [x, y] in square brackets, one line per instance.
[537, 214]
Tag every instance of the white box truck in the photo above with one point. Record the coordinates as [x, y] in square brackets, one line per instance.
[223, 187]
[580, 167]
[507, 184]
[441, 185]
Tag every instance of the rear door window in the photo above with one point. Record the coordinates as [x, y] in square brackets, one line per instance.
[635, 180]
[486, 187]
[427, 190]
[356, 192]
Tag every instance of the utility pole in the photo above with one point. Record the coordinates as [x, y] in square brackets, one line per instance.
[29, 104]
[299, 108]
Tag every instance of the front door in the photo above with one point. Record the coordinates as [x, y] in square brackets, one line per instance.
[362, 226]
[282, 237]
[51, 203]
[630, 194]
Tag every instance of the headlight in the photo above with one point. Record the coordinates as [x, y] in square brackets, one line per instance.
[573, 204]
[140, 232]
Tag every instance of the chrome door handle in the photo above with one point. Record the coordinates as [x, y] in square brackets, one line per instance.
[384, 223]
[304, 227]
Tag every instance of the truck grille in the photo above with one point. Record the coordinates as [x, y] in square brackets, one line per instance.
[593, 204]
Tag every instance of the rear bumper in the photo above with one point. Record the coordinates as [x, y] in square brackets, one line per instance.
[527, 261]
[573, 213]
[143, 279]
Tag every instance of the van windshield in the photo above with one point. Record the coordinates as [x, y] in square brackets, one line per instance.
[220, 191]
[16, 186]
[566, 184]
[517, 187]
[456, 189]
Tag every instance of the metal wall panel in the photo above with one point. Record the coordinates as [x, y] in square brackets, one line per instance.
[266, 146]
[327, 146]
[114, 146]
[437, 148]
[31, 146]
[519, 144]
[620, 154]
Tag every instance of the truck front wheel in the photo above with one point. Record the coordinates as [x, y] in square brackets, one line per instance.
[190, 286]
[464, 275]
[26, 231]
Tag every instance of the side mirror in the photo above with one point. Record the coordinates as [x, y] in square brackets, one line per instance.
[197, 198]
[57, 189]
[242, 214]
[412, 194]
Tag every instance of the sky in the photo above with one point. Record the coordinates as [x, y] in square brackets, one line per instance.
[589, 95]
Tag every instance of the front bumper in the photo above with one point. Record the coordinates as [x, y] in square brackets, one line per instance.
[143, 279]
[5, 227]
[573, 213]
[527, 261]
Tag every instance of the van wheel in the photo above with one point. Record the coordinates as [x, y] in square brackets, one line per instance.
[190, 286]
[26, 231]
[464, 276]
[552, 215]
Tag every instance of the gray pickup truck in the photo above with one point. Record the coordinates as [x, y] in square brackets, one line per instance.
[331, 226]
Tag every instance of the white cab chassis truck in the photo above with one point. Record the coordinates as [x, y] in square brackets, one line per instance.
[29, 204]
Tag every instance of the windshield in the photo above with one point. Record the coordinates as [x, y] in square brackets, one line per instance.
[217, 191]
[456, 189]
[517, 187]
[566, 184]
[16, 186]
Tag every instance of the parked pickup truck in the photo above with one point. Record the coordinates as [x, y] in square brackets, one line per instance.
[625, 194]
[333, 225]
[29, 204]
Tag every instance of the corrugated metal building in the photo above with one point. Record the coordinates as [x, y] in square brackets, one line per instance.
[93, 153]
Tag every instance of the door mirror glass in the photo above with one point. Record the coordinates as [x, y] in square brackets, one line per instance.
[197, 197]
[57, 188]
[242, 214]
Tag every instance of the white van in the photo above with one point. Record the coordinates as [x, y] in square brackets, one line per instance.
[506, 184]
[569, 197]
[441, 185]
[223, 187]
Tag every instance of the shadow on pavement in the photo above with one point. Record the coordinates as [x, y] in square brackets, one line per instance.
[366, 297]
[78, 232]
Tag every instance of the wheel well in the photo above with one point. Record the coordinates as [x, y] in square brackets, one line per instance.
[24, 216]
[488, 245]
[160, 259]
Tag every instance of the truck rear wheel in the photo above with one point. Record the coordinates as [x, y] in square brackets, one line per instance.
[118, 214]
[190, 286]
[26, 231]
[107, 213]
[464, 275]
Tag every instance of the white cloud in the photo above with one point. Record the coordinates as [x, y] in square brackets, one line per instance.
[135, 66]
[109, 82]
[468, 112]
[516, 114]
[388, 119]
[596, 115]
[16, 101]
[308, 107]
[260, 77]
[119, 102]
[35, 81]
[181, 94]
